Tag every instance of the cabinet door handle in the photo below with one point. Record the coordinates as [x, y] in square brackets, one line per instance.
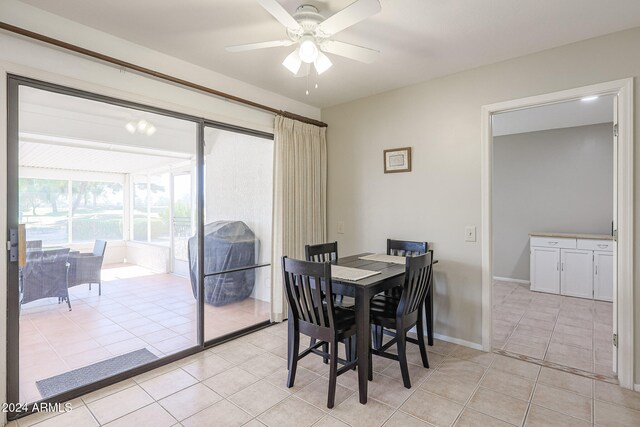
[596, 269]
[552, 243]
[563, 266]
[600, 245]
[558, 266]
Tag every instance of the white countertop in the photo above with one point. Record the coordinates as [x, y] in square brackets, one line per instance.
[574, 235]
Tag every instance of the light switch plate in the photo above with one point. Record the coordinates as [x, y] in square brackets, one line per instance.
[340, 227]
[470, 233]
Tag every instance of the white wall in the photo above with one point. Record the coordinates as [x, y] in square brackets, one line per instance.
[36, 60]
[557, 180]
[440, 119]
[156, 258]
[53, 60]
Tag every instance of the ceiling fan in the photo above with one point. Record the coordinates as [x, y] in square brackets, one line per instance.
[312, 34]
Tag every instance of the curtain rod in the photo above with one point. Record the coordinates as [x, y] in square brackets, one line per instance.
[156, 74]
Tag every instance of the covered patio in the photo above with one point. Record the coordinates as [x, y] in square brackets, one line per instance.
[90, 172]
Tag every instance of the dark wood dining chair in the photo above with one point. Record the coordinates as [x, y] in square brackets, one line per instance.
[315, 315]
[403, 314]
[323, 252]
[404, 248]
[326, 252]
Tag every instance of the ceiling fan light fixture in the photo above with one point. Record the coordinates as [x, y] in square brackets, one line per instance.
[308, 49]
[142, 125]
[322, 63]
[292, 62]
[131, 127]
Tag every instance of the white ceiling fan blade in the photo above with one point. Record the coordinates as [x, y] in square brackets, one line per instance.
[278, 12]
[259, 45]
[304, 70]
[351, 51]
[350, 15]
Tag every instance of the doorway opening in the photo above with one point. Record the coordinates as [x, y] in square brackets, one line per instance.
[557, 230]
[553, 243]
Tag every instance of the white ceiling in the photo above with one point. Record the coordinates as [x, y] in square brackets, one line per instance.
[554, 116]
[75, 158]
[419, 39]
[63, 132]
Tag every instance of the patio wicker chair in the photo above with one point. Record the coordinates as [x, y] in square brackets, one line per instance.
[87, 267]
[45, 276]
[34, 244]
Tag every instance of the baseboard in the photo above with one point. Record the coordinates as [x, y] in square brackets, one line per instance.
[508, 279]
[458, 341]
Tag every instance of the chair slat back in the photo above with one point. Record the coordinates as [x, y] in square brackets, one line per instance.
[406, 248]
[323, 252]
[303, 284]
[416, 283]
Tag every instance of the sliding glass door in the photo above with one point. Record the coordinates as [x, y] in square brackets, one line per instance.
[109, 274]
[238, 230]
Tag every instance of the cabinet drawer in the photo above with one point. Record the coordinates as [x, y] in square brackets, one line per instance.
[596, 245]
[553, 242]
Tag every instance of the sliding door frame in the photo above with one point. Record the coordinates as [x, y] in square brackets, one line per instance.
[258, 134]
[12, 83]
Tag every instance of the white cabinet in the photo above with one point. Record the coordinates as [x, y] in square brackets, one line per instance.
[603, 275]
[576, 273]
[545, 269]
[572, 266]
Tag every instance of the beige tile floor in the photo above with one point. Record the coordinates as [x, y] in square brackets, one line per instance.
[137, 309]
[573, 332]
[242, 383]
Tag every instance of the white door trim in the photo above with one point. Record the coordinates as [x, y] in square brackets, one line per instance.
[624, 90]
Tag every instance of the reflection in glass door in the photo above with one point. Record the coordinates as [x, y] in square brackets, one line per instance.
[182, 222]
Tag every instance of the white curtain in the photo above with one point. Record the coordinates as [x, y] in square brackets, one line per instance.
[300, 197]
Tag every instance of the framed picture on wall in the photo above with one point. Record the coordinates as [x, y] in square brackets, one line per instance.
[397, 160]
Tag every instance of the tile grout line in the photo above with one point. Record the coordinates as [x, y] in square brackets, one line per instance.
[553, 331]
[519, 320]
[533, 391]
[465, 405]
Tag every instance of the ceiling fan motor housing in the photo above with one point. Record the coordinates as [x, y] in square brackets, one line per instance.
[309, 18]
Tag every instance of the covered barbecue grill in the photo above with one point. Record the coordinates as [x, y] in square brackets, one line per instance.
[228, 245]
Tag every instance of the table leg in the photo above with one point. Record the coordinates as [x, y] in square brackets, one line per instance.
[429, 315]
[363, 337]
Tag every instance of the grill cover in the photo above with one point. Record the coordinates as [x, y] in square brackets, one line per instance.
[227, 245]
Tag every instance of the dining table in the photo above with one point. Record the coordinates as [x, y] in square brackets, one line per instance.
[388, 275]
[391, 275]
